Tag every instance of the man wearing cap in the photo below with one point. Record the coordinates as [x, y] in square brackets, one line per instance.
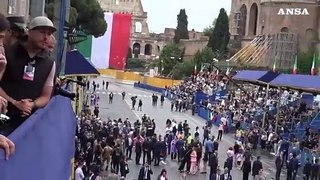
[17, 30]
[5, 143]
[27, 83]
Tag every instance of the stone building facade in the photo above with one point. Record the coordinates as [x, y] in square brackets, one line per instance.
[15, 8]
[146, 45]
[299, 19]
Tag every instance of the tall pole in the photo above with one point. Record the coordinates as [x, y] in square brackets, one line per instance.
[36, 8]
[265, 113]
[61, 14]
[278, 113]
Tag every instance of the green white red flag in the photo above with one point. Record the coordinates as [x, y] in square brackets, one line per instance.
[295, 66]
[313, 70]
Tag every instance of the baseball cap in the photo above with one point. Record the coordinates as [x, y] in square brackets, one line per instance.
[41, 21]
[17, 23]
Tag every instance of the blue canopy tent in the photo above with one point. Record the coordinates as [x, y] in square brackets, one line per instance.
[249, 75]
[255, 77]
[304, 83]
[268, 77]
[77, 65]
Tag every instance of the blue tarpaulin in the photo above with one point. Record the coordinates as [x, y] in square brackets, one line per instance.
[268, 77]
[44, 145]
[249, 75]
[297, 81]
[76, 64]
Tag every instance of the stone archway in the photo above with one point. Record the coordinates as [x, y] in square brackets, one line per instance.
[310, 37]
[136, 49]
[253, 19]
[242, 20]
[148, 49]
[284, 30]
[158, 49]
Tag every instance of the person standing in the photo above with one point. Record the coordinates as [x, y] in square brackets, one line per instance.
[145, 172]
[163, 175]
[220, 131]
[110, 97]
[79, 173]
[278, 166]
[256, 167]
[246, 169]
[193, 160]
[107, 84]
[27, 83]
[123, 95]
[139, 105]
[307, 169]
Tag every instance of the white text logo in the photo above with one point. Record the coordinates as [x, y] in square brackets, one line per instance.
[293, 11]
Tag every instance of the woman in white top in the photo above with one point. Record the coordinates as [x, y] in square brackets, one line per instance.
[163, 175]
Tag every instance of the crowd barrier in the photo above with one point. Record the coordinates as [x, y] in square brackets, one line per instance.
[44, 145]
[148, 87]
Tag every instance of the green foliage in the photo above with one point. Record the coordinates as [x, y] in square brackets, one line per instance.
[182, 70]
[134, 63]
[86, 14]
[220, 36]
[305, 62]
[182, 26]
[170, 55]
[204, 56]
[209, 30]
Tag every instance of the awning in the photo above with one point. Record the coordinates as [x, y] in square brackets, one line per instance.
[76, 64]
[268, 77]
[249, 75]
[298, 82]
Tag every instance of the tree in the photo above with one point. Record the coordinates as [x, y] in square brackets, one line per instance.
[209, 30]
[182, 70]
[220, 36]
[129, 55]
[86, 14]
[182, 26]
[305, 62]
[170, 55]
[203, 56]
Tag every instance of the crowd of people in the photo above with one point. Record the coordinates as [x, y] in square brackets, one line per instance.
[244, 108]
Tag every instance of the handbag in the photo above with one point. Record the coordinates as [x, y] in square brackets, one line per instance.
[127, 169]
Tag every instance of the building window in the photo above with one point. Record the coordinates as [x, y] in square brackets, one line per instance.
[117, 2]
[12, 6]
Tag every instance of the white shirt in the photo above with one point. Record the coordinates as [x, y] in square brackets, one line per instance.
[79, 174]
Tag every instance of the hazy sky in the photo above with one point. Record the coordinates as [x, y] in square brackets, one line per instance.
[201, 13]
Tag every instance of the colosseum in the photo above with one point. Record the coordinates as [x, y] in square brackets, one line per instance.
[266, 29]
[147, 45]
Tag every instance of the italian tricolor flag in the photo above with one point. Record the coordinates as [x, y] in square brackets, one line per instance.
[295, 66]
[274, 68]
[109, 50]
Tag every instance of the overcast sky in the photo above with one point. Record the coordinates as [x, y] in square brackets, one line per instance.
[201, 13]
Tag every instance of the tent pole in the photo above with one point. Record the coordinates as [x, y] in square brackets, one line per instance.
[278, 112]
[265, 107]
